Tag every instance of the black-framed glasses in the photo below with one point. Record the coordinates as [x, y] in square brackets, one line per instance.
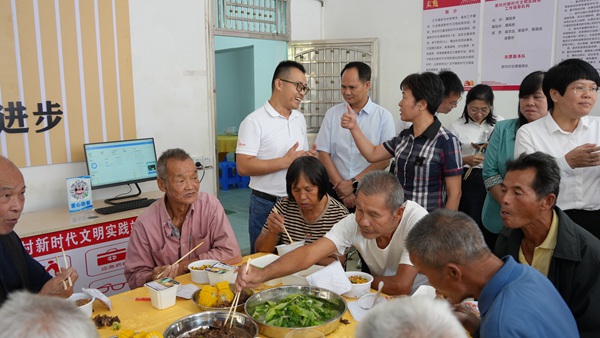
[454, 104]
[299, 86]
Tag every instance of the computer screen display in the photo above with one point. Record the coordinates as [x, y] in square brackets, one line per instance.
[120, 162]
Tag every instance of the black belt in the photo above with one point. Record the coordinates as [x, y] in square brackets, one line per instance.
[264, 195]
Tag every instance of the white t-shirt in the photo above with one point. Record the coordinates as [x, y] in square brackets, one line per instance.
[266, 134]
[579, 187]
[471, 132]
[381, 262]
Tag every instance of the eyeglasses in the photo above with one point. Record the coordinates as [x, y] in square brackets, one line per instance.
[475, 110]
[578, 90]
[299, 86]
[453, 104]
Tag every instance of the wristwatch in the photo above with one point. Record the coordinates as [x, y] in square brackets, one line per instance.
[354, 183]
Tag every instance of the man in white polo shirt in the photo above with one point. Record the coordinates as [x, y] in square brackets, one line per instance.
[269, 140]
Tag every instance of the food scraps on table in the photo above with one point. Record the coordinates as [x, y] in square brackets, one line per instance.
[105, 320]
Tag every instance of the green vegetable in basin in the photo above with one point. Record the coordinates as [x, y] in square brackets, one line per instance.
[295, 310]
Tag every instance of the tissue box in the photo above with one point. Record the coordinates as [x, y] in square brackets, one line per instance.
[219, 272]
[299, 278]
[163, 292]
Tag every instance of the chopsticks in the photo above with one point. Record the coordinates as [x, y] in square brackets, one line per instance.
[284, 229]
[479, 152]
[235, 301]
[182, 257]
[66, 265]
[60, 270]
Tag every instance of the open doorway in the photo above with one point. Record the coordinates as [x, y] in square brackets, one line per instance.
[243, 73]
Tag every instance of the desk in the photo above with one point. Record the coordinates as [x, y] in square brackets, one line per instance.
[226, 144]
[141, 316]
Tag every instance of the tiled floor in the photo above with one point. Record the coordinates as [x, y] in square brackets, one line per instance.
[235, 202]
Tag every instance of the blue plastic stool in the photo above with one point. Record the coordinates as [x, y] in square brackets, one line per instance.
[244, 181]
[228, 175]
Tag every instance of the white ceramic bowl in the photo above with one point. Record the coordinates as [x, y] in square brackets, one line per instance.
[200, 276]
[358, 290]
[86, 308]
[282, 249]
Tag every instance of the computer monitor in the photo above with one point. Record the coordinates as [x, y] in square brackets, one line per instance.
[124, 162]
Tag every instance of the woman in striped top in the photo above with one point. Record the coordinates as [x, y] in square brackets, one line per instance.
[307, 213]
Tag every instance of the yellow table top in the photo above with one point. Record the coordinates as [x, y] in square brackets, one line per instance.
[142, 316]
[226, 143]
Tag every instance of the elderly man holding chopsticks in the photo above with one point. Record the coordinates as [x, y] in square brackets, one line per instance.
[184, 226]
[18, 270]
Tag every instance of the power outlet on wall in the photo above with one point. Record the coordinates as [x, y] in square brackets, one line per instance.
[203, 161]
[197, 161]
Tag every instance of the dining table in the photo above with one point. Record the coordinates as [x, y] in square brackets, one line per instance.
[136, 312]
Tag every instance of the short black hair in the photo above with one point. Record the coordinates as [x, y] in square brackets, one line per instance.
[283, 68]
[560, 76]
[547, 176]
[481, 92]
[530, 84]
[426, 86]
[311, 168]
[452, 84]
[169, 154]
[364, 71]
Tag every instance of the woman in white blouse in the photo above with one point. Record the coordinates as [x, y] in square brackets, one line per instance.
[473, 129]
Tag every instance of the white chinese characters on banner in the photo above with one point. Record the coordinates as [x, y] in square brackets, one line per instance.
[451, 38]
[516, 36]
[96, 251]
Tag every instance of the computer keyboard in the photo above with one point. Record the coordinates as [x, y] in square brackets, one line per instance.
[124, 206]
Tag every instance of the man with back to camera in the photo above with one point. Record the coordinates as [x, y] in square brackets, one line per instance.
[377, 230]
[337, 151]
[514, 300]
[176, 223]
[539, 234]
[18, 270]
[269, 140]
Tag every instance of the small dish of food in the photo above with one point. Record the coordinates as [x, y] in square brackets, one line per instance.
[83, 302]
[220, 296]
[361, 283]
[198, 270]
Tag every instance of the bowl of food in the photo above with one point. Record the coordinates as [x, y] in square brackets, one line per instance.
[282, 249]
[197, 270]
[361, 283]
[83, 302]
[211, 324]
[284, 305]
[219, 297]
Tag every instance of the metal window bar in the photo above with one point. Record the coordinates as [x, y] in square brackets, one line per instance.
[323, 65]
[253, 18]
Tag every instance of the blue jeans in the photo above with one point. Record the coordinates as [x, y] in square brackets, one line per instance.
[258, 213]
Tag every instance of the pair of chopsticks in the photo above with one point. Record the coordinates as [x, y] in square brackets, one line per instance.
[284, 229]
[182, 257]
[66, 265]
[236, 300]
[479, 152]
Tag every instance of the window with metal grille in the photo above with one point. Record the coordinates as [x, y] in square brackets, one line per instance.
[266, 19]
[324, 61]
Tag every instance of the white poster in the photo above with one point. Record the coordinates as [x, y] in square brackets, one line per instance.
[517, 40]
[578, 31]
[451, 37]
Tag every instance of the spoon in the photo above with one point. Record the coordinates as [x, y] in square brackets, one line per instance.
[379, 287]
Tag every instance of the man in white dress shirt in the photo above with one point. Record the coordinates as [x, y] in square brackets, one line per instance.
[337, 150]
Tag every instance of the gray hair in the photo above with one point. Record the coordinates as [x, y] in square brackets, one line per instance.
[28, 315]
[383, 182]
[411, 317]
[446, 236]
[169, 154]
